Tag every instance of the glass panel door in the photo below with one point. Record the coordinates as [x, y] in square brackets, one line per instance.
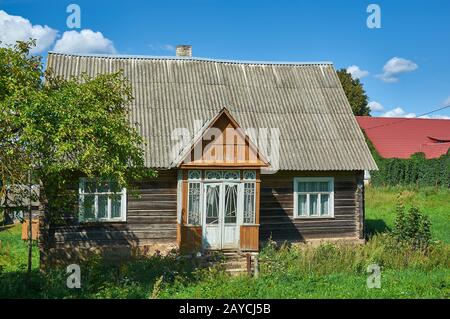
[212, 203]
[230, 228]
[231, 203]
[212, 221]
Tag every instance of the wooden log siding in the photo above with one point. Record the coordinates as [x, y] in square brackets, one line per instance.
[277, 208]
[151, 219]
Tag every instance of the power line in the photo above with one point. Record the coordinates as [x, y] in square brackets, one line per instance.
[405, 119]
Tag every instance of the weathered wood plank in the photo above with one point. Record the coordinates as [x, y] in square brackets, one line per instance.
[277, 206]
[151, 215]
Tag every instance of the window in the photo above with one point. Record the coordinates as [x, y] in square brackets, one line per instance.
[250, 175]
[179, 195]
[249, 197]
[249, 203]
[221, 191]
[231, 203]
[313, 197]
[101, 200]
[213, 175]
[194, 203]
[197, 175]
[233, 175]
[194, 192]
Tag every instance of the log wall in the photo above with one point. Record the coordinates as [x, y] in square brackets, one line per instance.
[151, 222]
[277, 208]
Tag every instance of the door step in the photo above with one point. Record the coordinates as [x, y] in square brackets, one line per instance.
[232, 262]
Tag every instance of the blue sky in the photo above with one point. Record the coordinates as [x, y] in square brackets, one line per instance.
[416, 33]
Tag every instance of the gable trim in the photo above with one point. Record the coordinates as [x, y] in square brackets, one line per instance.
[178, 162]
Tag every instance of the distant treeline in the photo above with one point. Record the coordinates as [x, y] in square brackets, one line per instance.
[416, 170]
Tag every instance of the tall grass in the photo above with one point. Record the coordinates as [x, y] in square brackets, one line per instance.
[331, 271]
[138, 277]
[289, 271]
[328, 258]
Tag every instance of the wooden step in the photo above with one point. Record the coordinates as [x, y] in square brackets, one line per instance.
[231, 261]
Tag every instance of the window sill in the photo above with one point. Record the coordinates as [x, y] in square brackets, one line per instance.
[101, 222]
[313, 217]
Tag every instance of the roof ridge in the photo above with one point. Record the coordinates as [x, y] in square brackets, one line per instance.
[201, 59]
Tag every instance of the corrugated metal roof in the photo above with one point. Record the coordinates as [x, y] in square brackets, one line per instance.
[402, 137]
[305, 101]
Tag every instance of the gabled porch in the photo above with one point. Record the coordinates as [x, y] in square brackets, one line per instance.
[219, 189]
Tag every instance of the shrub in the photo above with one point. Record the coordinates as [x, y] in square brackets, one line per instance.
[412, 226]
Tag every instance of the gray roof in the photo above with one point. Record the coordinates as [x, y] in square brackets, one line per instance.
[304, 100]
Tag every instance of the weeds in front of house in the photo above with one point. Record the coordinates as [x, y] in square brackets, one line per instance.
[287, 271]
[332, 271]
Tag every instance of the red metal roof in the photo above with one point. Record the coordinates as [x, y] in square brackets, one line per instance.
[402, 137]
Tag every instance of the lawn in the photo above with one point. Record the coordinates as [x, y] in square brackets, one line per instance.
[434, 202]
[407, 283]
[13, 251]
[327, 271]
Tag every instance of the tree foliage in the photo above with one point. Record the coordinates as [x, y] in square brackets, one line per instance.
[355, 93]
[64, 128]
[20, 80]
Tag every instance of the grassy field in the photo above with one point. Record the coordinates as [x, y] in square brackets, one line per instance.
[328, 271]
[13, 251]
[407, 283]
[434, 202]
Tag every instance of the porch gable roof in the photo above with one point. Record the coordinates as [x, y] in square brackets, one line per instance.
[199, 135]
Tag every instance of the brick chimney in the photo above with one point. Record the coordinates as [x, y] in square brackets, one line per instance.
[184, 50]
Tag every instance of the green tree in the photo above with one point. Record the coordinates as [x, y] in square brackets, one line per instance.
[61, 129]
[355, 93]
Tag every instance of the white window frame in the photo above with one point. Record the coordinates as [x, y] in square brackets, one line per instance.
[242, 196]
[179, 195]
[190, 181]
[296, 193]
[200, 198]
[250, 180]
[203, 180]
[123, 204]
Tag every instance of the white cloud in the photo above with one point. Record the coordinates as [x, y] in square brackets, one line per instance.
[436, 117]
[14, 28]
[398, 112]
[356, 72]
[85, 42]
[375, 106]
[446, 102]
[395, 67]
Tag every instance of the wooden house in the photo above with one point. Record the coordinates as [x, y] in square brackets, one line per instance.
[219, 186]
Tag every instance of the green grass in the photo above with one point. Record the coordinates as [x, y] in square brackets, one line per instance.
[13, 251]
[407, 283]
[327, 271]
[434, 202]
